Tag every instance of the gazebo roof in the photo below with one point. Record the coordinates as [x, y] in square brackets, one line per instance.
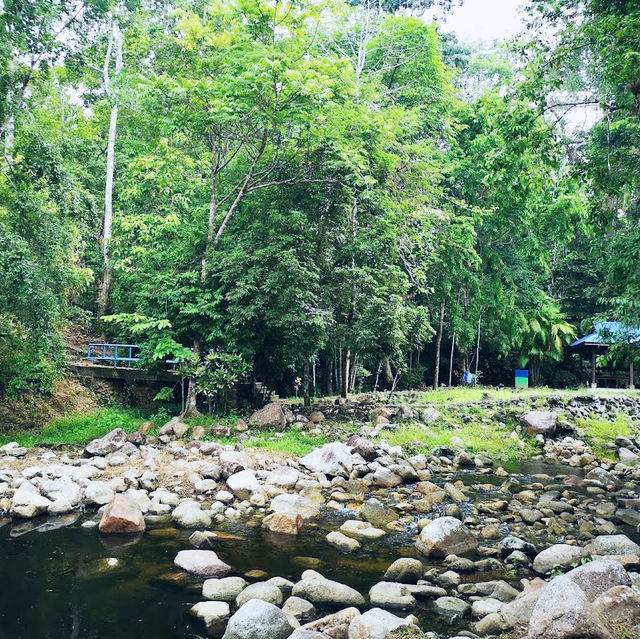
[606, 333]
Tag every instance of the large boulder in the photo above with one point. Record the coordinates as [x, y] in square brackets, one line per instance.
[61, 490]
[446, 536]
[269, 416]
[213, 613]
[540, 422]
[122, 515]
[518, 612]
[243, 484]
[202, 563]
[332, 459]
[258, 620]
[597, 577]
[563, 612]
[321, 591]
[110, 443]
[375, 624]
[562, 555]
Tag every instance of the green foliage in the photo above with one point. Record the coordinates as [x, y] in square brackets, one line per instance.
[600, 433]
[215, 376]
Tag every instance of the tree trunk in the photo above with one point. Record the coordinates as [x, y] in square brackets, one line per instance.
[191, 405]
[477, 350]
[115, 44]
[453, 345]
[388, 373]
[305, 383]
[436, 370]
[346, 367]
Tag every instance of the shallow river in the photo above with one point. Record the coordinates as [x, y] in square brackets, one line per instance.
[57, 583]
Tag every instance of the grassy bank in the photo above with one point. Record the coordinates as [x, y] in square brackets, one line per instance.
[78, 429]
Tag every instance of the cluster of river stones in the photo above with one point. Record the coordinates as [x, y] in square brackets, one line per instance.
[508, 555]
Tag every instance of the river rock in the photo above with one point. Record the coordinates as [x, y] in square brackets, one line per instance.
[211, 612]
[258, 620]
[390, 594]
[562, 555]
[485, 606]
[405, 570]
[361, 530]
[445, 536]
[98, 493]
[563, 612]
[283, 523]
[61, 490]
[308, 634]
[28, 502]
[451, 607]
[203, 563]
[261, 590]
[612, 545]
[375, 624]
[332, 459]
[283, 477]
[269, 416]
[376, 513]
[518, 611]
[336, 625]
[295, 505]
[541, 422]
[384, 478]
[619, 604]
[188, 514]
[223, 589]
[243, 484]
[510, 544]
[342, 542]
[122, 515]
[596, 577]
[321, 591]
[110, 443]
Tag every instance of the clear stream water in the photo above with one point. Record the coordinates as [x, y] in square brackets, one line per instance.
[55, 584]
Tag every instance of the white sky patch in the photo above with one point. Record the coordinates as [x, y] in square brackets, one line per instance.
[484, 20]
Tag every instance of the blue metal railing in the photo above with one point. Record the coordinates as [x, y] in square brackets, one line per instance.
[116, 354]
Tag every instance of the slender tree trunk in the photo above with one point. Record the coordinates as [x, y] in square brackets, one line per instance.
[313, 378]
[478, 349]
[388, 373]
[354, 372]
[115, 45]
[453, 345]
[305, 383]
[190, 405]
[346, 367]
[436, 370]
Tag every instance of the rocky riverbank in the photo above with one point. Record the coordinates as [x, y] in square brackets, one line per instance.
[546, 551]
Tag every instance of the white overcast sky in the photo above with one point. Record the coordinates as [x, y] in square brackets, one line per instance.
[484, 20]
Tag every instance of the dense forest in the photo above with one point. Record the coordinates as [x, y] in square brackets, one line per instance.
[316, 194]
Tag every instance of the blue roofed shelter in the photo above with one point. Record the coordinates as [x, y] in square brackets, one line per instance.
[604, 335]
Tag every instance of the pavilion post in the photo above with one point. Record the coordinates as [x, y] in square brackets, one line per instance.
[593, 367]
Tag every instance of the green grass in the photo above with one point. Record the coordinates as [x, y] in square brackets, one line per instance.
[478, 393]
[493, 439]
[78, 429]
[598, 432]
[294, 442]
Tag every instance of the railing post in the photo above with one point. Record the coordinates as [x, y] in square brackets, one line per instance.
[115, 356]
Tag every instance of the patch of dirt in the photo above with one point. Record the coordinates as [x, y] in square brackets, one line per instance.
[70, 396]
